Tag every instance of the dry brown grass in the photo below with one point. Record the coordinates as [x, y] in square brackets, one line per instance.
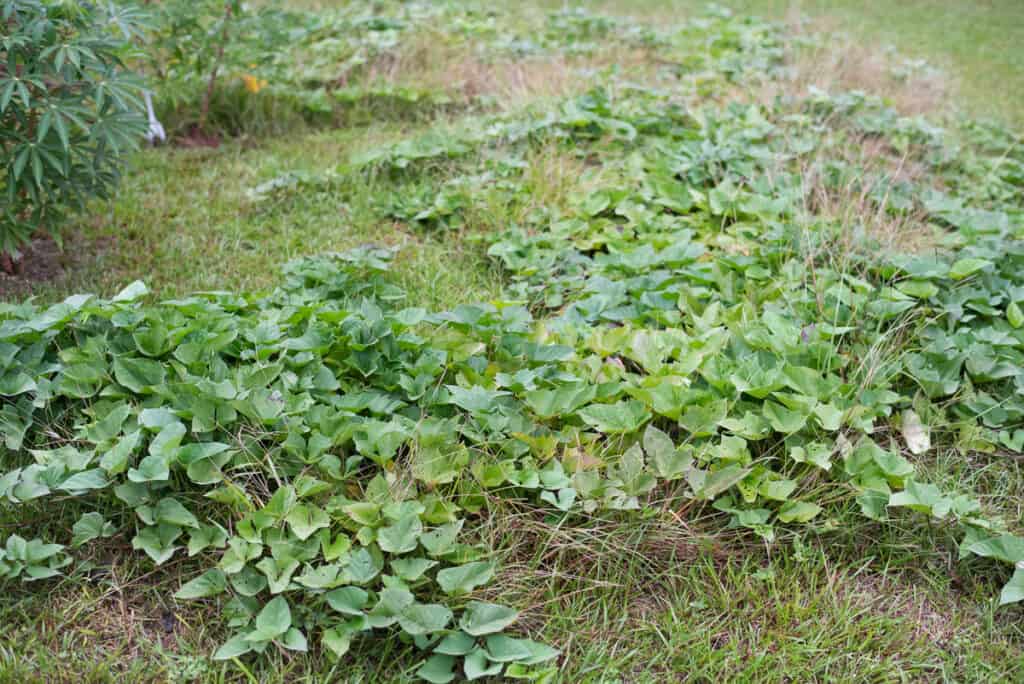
[556, 569]
[886, 597]
[864, 218]
[818, 54]
[836, 62]
[432, 61]
[111, 623]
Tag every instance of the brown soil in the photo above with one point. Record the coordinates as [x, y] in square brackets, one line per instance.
[197, 138]
[42, 261]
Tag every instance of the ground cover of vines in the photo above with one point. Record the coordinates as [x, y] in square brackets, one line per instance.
[755, 325]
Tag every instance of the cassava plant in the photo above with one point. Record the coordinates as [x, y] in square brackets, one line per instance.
[69, 111]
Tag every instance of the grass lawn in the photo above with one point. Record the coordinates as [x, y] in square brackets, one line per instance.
[680, 592]
[215, 239]
[198, 196]
[977, 44]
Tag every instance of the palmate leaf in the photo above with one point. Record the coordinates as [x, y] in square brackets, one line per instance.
[560, 401]
[1007, 548]
[666, 460]
[437, 669]
[152, 468]
[457, 643]
[362, 566]
[964, 268]
[476, 399]
[273, 621]
[294, 640]
[15, 383]
[66, 75]
[138, 375]
[234, 647]
[630, 473]
[94, 478]
[206, 536]
[321, 577]
[892, 464]
[89, 527]
[708, 485]
[171, 511]
[411, 569]
[703, 420]
[873, 504]
[441, 540]
[937, 376]
[1014, 315]
[379, 440]
[348, 600]
[925, 498]
[784, 420]
[157, 541]
[436, 465]
[391, 603]
[506, 649]
[477, 665]
[203, 461]
[799, 511]
[337, 641]
[279, 572]
[306, 519]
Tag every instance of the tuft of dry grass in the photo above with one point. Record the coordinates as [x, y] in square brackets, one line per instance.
[118, 624]
[822, 56]
[431, 61]
[888, 598]
[859, 204]
[556, 569]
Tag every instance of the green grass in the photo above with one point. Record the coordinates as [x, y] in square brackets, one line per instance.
[654, 601]
[664, 599]
[212, 237]
[978, 44]
[627, 602]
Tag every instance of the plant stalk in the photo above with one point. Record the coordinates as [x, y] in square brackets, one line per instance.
[204, 110]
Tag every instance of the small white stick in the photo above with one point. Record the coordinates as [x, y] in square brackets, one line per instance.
[156, 129]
